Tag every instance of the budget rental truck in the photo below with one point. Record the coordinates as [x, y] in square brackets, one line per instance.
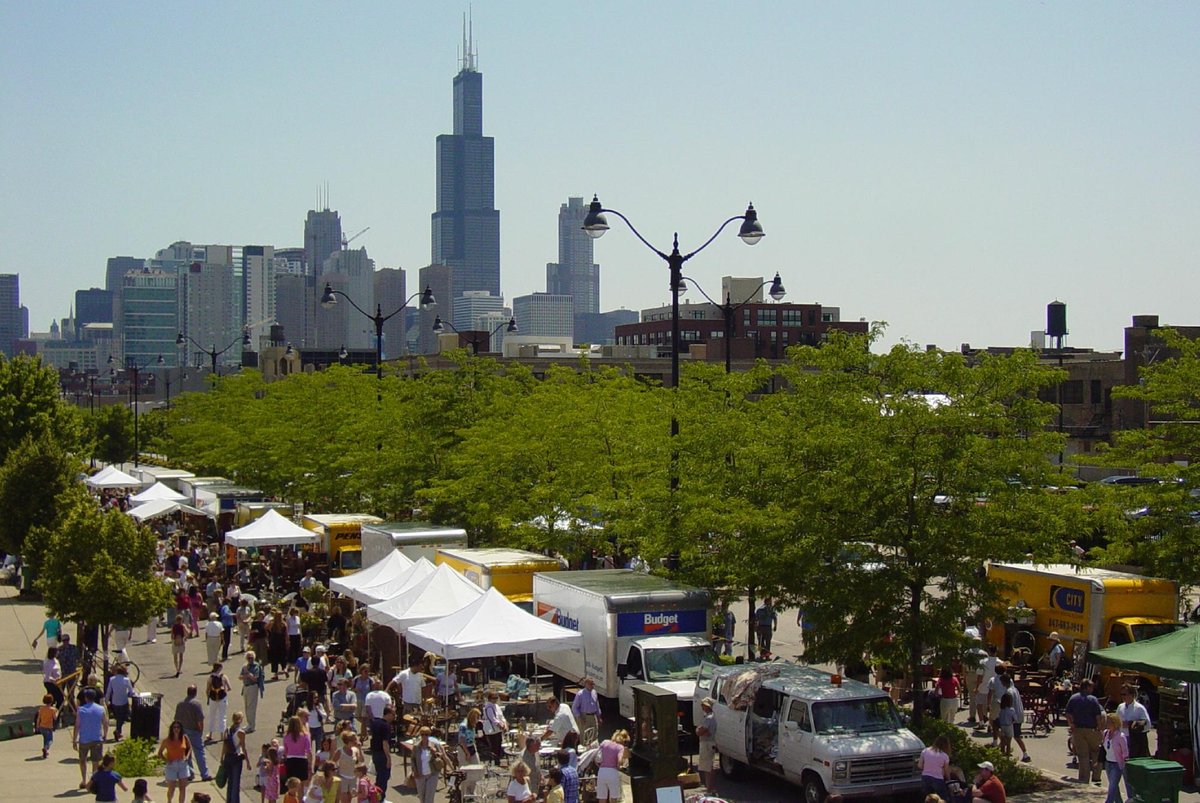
[341, 538]
[636, 628]
[1082, 603]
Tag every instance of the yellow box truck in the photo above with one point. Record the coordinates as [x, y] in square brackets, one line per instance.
[509, 571]
[341, 538]
[1081, 603]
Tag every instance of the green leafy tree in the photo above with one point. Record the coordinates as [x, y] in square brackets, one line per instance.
[36, 482]
[556, 464]
[1164, 536]
[910, 470]
[98, 567]
[30, 406]
[112, 433]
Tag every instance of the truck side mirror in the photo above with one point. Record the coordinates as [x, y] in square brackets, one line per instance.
[621, 673]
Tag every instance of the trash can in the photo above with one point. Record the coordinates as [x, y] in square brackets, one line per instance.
[1154, 780]
[145, 716]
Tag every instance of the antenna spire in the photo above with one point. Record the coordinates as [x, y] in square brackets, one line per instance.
[468, 61]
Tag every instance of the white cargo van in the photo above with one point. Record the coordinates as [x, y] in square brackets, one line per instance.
[822, 733]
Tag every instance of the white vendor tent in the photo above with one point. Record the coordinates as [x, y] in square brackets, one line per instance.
[112, 477]
[158, 491]
[271, 529]
[387, 587]
[391, 566]
[157, 508]
[489, 626]
[441, 593]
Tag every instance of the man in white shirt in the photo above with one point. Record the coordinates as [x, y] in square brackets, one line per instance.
[1135, 721]
[377, 699]
[411, 684]
[307, 580]
[987, 671]
[562, 721]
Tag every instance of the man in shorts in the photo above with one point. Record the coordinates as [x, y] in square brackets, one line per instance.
[89, 734]
[707, 731]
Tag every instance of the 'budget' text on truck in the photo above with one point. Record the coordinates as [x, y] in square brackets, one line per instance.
[636, 627]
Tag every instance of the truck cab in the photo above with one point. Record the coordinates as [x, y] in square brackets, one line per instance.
[821, 732]
[670, 662]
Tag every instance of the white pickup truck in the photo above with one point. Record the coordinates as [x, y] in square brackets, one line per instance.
[821, 733]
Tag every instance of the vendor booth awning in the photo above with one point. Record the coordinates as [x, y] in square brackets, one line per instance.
[271, 529]
[112, 477]
[442, 592]
[391, 566]
[387, 587]
[158, 491]
[158, 508]
[489, 626]
[1175, 655]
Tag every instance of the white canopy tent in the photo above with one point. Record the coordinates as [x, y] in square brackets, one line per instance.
[112, 477]
[441, 593]
[490, 626]
[391, 566]
[157, 492]
[271, 529]
[157, 508]
[387, 587]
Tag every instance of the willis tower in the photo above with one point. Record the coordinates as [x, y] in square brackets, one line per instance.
[466, 225]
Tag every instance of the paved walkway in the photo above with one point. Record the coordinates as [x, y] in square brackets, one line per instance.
[56, 779]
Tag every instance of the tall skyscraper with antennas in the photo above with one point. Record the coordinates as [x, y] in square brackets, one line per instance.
[466, 224]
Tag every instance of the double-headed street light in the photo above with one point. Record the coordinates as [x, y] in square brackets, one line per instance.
[510, 327]
[213, 354]
[131, 365]
[595, 224]
[728, 309]
[329, 300]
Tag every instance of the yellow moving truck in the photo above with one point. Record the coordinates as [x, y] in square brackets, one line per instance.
[1096, 606]
[509, 571]
[341, 538]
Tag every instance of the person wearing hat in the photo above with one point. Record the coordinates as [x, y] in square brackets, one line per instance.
[214, 633]
[1056, 654]
[707, 731]
[987, 787]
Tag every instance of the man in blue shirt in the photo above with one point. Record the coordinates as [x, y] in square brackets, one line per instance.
[570, 778]
[91, 729]
[1084, 714]
[765, 623]
[586, 708]
[228, 620]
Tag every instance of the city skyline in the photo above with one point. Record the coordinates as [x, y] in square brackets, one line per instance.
[948, 169]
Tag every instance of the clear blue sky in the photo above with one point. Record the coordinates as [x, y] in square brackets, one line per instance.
[947, 167]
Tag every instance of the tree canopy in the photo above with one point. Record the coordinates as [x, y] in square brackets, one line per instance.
[30, 406]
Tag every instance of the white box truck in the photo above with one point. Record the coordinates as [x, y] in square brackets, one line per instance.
[413, 539]
[821, 732]
[636, 628]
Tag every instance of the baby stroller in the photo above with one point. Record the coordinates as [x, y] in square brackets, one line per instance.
[294, 696]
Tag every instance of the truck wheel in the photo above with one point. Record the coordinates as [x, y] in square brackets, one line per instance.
[814, 790]
[731, 768]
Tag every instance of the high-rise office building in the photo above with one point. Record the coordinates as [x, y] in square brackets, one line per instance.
[575, 274]
[440, 279]
[466, 225]
[207, 314]
[322, 238]
[149, 316]
[258, 292]
[544, 315]
[117, 267]
[467, 308]
[349, 271]
[92, 306]
[14, 319]
[293, 295]
[390, 295]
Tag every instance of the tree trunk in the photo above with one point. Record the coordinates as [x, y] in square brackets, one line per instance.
[914, 653]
